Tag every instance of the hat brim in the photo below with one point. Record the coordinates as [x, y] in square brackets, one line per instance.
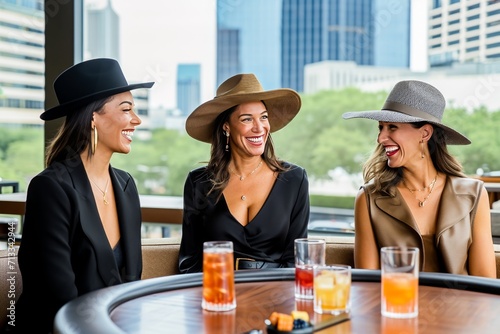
[65, 108]
[282, 106]
[452, 137]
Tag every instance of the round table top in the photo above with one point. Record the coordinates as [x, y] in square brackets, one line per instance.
[447, 303]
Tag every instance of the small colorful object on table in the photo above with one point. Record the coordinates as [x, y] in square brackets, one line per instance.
[295, 323]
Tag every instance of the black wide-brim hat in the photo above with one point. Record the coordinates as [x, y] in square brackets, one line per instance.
[88, 81]
[413, 101]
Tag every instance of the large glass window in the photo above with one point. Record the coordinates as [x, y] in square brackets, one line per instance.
[189, 47]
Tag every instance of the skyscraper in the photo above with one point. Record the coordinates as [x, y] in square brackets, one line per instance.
[463, 31]
[368, 32]
[103, 37]
[22, 67]
[188, 87]
[248, 40]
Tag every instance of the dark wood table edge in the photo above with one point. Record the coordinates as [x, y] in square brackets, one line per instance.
[98, 305]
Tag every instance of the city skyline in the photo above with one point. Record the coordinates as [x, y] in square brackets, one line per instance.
[178, 40]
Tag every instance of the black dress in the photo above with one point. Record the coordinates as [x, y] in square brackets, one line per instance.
[268, 237]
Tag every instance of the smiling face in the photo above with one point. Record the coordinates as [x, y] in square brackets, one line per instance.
[116, 124]
[402, 142]
[249, 127]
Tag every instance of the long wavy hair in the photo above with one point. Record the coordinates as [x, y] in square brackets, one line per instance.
[217, 167]
[75, 133]
[386, 178]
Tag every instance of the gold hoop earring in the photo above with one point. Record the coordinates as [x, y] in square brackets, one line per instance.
[94, 145]
[227, 141]
[422, 149]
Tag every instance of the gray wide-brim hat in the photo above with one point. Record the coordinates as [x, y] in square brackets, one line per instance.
[282, 104]
[413, 101]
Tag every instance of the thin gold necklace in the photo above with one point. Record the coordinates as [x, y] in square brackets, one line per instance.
[431, 185]
[244, 177]
[104, 192]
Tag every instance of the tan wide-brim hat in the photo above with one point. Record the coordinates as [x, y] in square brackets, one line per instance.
[282, 105]
[413, 101]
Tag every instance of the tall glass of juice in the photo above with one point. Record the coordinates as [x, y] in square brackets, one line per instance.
[218, 276]
[399, 281]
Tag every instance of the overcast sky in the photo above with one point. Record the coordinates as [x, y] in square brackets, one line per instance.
[156, 35]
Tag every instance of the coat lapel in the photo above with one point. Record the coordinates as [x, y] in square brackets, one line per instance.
[396, 208]
[129, 217]
[92, 226]
[455, 206]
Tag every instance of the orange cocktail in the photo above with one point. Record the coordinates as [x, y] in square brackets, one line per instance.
[399, 294]
[218, 278]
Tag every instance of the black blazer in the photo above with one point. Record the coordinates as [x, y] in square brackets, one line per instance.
[64, 251]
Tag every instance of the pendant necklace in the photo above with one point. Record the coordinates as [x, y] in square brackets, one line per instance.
[243, 197]
[103, 192]
[431, 185]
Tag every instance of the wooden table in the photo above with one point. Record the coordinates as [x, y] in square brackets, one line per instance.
[155, 209]
[447, 303]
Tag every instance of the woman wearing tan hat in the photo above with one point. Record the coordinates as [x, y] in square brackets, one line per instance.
[82, 228]
[415, 192]
[245, 194]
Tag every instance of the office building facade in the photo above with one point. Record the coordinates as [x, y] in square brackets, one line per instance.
[463, 31]
[22, 65]
[188, 87]
[102, 38]
[248, 40]
[368, 32]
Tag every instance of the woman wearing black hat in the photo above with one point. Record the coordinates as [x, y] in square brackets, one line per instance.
[415, 192]
[245, 194]
[82, 227]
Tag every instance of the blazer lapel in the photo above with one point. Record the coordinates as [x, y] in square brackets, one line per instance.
[92, 227]
[455, 206]
[396, 208]
[129, 217]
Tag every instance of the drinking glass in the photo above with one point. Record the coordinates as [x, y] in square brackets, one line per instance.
[308, 254]
[218, 276]
[399, 281]
[332, 287]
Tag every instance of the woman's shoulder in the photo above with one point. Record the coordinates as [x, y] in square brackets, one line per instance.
[293, 174]
[291, 168]
[198, 172]
[465, 183]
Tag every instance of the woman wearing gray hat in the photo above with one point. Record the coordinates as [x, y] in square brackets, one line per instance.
[82, 227]
[415, 192]
[245, 194]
